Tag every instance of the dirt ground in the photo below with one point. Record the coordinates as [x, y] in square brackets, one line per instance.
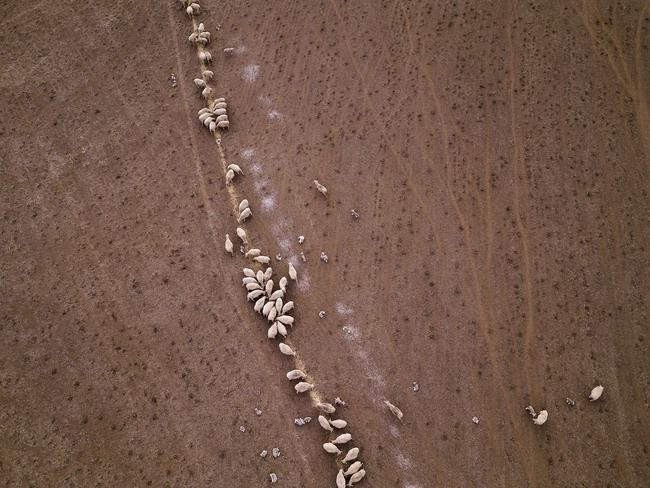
[498, 154]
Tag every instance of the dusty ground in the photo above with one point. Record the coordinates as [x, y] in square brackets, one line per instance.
[499, 156]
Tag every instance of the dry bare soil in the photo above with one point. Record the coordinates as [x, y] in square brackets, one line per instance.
[498, 154]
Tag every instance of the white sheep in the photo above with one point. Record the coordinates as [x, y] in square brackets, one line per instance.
[205, 110]
[222, 118]
[326, 407]
[278, 302]
[224, 124]
[205, 36]
[354, 467]
[267, 308]
[331, 448]
[204, 115]
[199, 82]
[259, 259]
[320, 187]
[219, 111]
[286, 319]
[396, 411]
[207, 74]
[230, 175]
[324, 423]
[228, 244]
[338, 423]
[255, 294]
[213, 126]
[351, 455]
[596, 393]
[286, 350]
[196, 8]
[201, 27]
[235, 168]
[342, 439]
[282, 330]
[268, 272]
[340, 479]
[217, 105]
[243, 205]
[253, 286]
[272, 332]
[207, 91]
[247, 271]
[241, 233]
[272, 314]
[260, 277]
[190, 11]
[287, 307]
[356, 477]
[243, 216]
[295, 374]
[252, 253]
[205, 56]
[292, 272]
[283, 283]
[303, 386]
[192, 37]
[207, 121]
[260, 303]
[541, 418]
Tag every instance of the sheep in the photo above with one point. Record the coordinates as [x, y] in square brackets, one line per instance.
[287, 308]
[192, 37]
[207, 121]
[207, 91]
[286, 350]
[292, 272]
[295, 374]
[202, 40]
[272, 332]
[230, 175]
[217, 105]
[220, 99]
[213, 127]
[229, 51]
[286, 319]
[282, 330]
[272, 314]
[326, 407]
[396, 411]
[259, 259]
[228, 244]
[351, 455]
[207, 74]
[255, 294]
[342, 439]
[358, 476]
[260, 277]
[222, 118]
[247, 271]
[205, 36]
[248, 279]
[340, 479]
[269, 284]
[303, 386]
[268, 272]
[338, 423]
[252, 253]
[541, 418]
[241, 233]
[224, 124]
[354, 467]
[195, 7]
[205, 110]
[596, 393]
[235, 168]
[243, 216]
[278, 303]
[253, 286]
[190, 11]
[259, 304]
[283, 283]
[243, 205]
[219, 111]
[267, 308]
[199, 82]
[331, 448]
[324, 423]
[320, 187]
[205, 56]
[205, 115]
[201, 27]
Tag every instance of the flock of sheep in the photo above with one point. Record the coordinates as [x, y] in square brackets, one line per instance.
[541, 417]
[267, 299]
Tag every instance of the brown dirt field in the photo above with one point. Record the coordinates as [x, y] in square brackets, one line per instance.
[499, 156]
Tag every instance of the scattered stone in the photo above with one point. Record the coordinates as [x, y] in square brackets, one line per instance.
[274, 478]
[302, 256]
[276, 452]
[322, 314]
[264, 453]
[242, 250]
[355, 214]
[300, 422]
[347, 330]
[475, 420]
[301, 239]
[416, 387]
[258, 412]
[338, 401]
[570, 402]
[278, 257]
[242, 428]
[172, 78]
[307, 420]
[323, 257]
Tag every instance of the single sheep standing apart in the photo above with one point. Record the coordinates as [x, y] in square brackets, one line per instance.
[320, 188]
[596, 393]
[228, 245]
[541, 418]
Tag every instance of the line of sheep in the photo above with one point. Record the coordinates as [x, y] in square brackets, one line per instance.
[267, 300]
